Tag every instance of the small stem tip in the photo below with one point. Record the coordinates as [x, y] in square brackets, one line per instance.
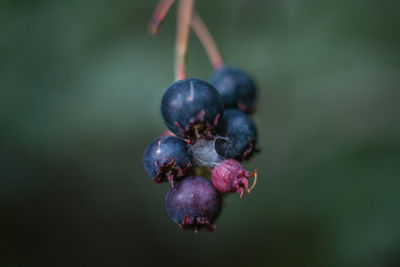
[159, 14]
[185, 9]
[207, 41]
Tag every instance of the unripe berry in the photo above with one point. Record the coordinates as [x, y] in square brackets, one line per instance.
[229, 176]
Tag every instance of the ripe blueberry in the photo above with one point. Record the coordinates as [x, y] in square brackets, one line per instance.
[167, 159]
[193, 203]
[191, 108]
[236, 88]
[229, 176]
[239, 135]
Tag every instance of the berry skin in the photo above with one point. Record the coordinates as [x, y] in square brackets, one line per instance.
[237, 88]
[229, 176]
[167, 158]
[191, 108]
[193, 203]
[239, 135]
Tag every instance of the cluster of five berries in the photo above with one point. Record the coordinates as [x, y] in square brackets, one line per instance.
[209, 130]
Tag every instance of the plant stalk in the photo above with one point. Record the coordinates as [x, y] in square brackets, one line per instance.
[207, 41]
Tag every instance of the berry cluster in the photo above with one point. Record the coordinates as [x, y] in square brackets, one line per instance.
[210, 133]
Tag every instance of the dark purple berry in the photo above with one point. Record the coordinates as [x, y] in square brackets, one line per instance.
[229, 176]
[167, 158]
[238, 135]
[191, 108]
[193, 203]
[236, 88]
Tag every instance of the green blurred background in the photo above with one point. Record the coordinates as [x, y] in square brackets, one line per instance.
[81, 83]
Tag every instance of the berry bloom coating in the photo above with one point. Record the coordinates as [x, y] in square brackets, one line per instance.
[239, 135]
[193, 203]
[167, 158]
[191, 108]
[229, 176]
[236, 88]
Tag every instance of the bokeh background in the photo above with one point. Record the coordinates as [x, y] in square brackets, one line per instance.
[81, 83]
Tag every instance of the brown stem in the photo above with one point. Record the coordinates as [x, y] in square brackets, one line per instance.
[254, 174]
[185, 9]
[159, 14]
[207, 40]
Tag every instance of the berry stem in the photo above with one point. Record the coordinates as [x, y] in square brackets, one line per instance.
[254, 174]
[207, 40]
[185, 9]
[159, 14]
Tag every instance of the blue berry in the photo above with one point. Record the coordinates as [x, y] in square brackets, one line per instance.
[238, 135]
[236, 88]
[191, 108]
[193, 203]
[167, 159]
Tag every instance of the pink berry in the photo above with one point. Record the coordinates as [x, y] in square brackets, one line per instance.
[229, 176]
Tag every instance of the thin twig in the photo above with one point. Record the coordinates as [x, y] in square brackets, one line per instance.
[185, 9]
[159, 14]
[207, 40]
